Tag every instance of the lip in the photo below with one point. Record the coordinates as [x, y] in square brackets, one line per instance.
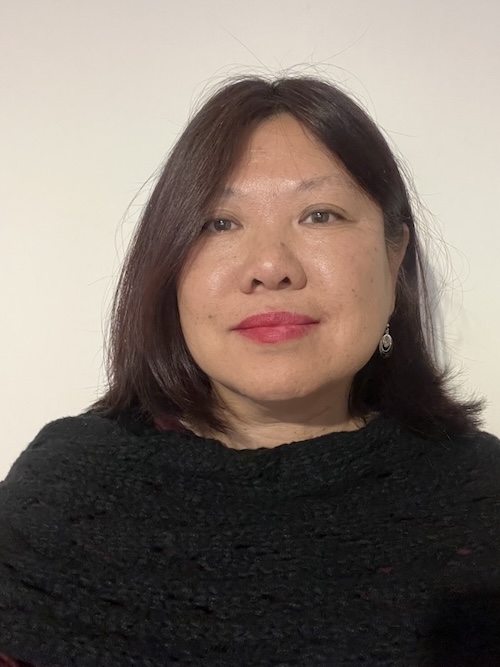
[274, 319]
[275, 327]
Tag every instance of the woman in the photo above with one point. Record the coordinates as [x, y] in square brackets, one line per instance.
[278, 473]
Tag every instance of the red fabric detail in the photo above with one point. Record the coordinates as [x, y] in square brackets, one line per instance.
[5, 661]
[167, 424]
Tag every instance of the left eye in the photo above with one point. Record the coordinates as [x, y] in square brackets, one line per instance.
[218, 225]
[322, 216]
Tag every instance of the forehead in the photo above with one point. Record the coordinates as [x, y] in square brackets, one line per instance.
[282, 150]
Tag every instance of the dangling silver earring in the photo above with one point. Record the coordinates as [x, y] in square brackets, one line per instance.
[386, 344]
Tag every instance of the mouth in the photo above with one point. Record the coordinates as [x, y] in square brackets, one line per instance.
[276, 327]
[275, 319]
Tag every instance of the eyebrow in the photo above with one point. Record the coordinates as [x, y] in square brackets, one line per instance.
[314, 183]
[303, 186]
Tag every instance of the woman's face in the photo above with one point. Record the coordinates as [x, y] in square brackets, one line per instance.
[292, 233]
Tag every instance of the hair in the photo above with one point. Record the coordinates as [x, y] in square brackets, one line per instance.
[149, 367]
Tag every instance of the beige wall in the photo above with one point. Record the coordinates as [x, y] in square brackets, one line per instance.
[94, 93]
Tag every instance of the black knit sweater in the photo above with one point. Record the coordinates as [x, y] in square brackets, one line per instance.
[121, 545]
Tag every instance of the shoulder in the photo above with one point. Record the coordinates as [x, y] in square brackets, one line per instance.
[476, 452]
[71, 465]
[68, 445]
[448, 466]
[467, 466]
[486, 446]
[481, 456]
[80, 427]
[463, 450]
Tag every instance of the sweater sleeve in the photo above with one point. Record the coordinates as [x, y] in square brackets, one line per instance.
[34, 508]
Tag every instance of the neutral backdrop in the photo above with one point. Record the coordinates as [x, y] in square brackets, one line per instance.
[95, 92]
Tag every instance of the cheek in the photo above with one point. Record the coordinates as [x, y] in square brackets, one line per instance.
[199, 298]
[356, 275]
[205, 279]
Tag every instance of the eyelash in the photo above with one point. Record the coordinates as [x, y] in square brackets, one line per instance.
[215, 220]
[326, 211]
[329, 212]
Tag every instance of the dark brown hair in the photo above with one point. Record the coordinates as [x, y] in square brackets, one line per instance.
[149, 366]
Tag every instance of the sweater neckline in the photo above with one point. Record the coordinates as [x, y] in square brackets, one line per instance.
[294, 467]
[294, 447]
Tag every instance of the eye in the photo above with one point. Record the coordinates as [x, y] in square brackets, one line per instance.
[218, 225]
[322, 216]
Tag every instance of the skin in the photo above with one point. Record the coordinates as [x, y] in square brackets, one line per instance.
[272, 253]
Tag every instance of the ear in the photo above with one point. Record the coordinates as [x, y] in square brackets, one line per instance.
[396, 256]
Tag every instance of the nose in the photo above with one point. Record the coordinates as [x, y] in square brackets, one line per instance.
[271, 264]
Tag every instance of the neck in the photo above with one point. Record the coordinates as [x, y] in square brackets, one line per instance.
[271, 426]
[273, 435]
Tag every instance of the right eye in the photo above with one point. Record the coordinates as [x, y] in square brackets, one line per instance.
[218, 225]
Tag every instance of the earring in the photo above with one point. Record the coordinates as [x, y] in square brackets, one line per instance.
[386, 344]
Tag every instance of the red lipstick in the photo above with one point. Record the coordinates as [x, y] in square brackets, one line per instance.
[275, 327]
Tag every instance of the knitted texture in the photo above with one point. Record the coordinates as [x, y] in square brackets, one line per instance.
[124, 546]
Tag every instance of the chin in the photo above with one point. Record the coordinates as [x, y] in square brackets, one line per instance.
[275, 387]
